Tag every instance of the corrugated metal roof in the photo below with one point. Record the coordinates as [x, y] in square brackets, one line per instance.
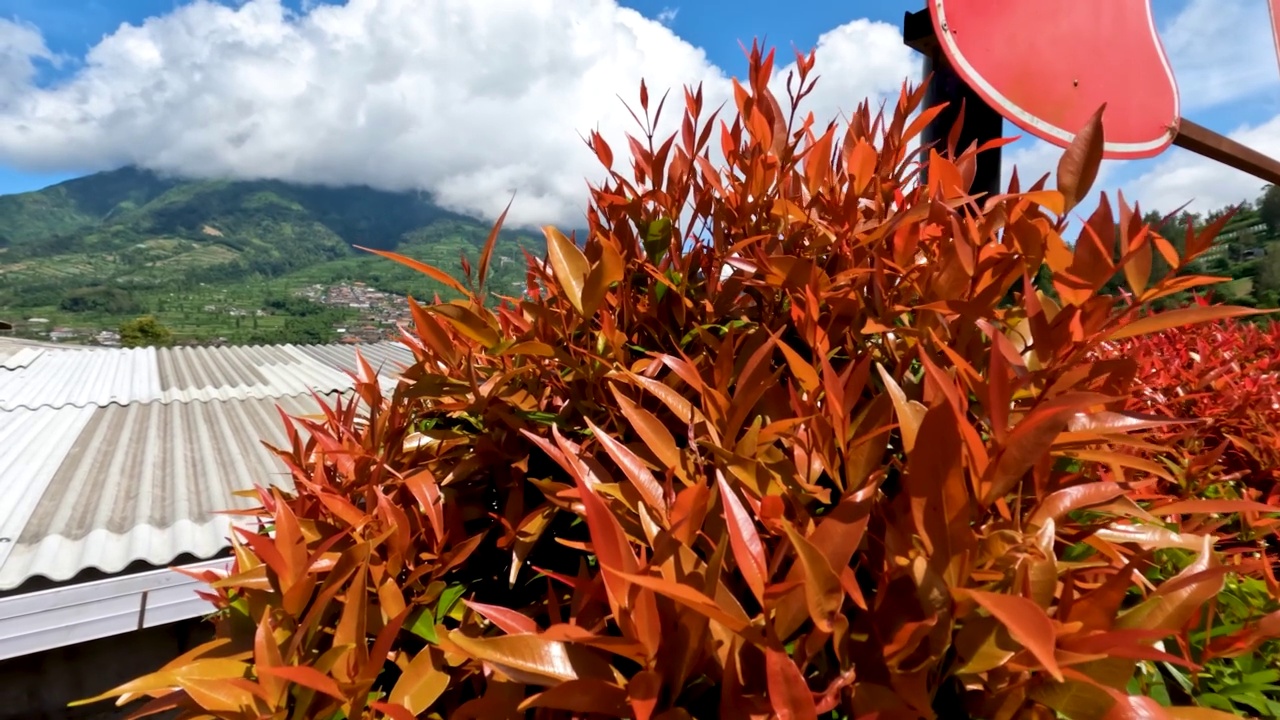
[130, 454]
[12, 359]
[84, 377]
[108, 486]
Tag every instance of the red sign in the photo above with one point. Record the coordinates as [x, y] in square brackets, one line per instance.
[1275, 23]
[1047, 65]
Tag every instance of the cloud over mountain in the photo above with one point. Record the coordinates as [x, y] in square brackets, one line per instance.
[468, 100]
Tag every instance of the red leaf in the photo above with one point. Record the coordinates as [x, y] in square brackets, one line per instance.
[744, 539]
[511, 621]
[1078, 167]
[788, 693]
[1064, 501]
[1181, 317]
[307, 677]
[486, 253]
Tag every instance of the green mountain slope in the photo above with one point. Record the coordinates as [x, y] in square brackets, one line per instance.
[143, 232]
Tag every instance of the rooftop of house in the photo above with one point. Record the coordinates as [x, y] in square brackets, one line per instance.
[115, 463]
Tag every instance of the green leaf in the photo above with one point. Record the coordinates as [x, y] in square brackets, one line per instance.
[448, 599]
[657, 239]
[424, 626]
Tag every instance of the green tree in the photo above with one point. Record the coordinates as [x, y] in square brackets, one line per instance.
[1245, 239]
[1269, 209]
[145, 331]
[1266, 284]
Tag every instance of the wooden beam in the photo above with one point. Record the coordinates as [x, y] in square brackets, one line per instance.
[1207, 143]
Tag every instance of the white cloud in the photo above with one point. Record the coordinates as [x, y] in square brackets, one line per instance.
[1221, 51]
[1224, 54]
[668, 15]
[468, 100]
[20, 46]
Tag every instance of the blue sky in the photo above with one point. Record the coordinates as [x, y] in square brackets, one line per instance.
[114, 79]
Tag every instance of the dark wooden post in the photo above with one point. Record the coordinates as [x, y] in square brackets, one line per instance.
[981, 122]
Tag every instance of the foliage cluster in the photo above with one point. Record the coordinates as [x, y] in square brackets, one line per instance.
[1226, 377]
[115, 301]
[145, 331]
[791, 437]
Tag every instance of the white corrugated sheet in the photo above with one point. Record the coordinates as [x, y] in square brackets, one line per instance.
[111, 457]
[107, 376]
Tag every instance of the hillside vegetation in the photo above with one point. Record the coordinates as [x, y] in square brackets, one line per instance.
[169, 243]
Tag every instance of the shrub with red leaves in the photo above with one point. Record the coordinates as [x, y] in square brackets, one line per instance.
[792, 437]
[1226, 377]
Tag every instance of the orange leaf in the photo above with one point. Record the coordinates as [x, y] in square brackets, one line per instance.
[467, 322]
[1195, 507]
[430, 271]
[1027, 624]
[1180, 597]
[1051, 200]
[533, 659]
[803, 371]
[1098, 608]
[587, 697]
[266, 653]
[822, 589]
[643, 691]
[1030, 439]
[569, 265]
[1061, 502]
[421, 683]
[650, 429]
[1181, 317]
[168, 678]
[692, 599]
[224, 697]
[910, 413]
[604, 273]
[1137, 269]
[635, 470]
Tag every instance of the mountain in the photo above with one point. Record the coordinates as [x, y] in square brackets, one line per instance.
[134, 229]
